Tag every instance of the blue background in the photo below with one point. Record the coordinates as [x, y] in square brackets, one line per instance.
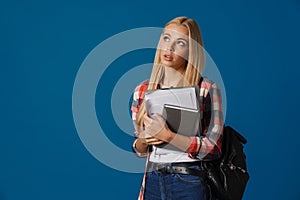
[255, 45]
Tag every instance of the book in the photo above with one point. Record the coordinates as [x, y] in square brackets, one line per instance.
[181, 120]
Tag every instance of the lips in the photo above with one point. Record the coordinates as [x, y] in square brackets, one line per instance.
[168, 57]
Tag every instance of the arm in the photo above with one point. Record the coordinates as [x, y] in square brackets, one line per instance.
[142, 140]
[208, 146]
[139, 146]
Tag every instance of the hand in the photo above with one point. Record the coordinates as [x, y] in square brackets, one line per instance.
[156, 127]
[147, 139]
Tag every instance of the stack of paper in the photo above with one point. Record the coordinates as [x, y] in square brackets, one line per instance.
[186, 97]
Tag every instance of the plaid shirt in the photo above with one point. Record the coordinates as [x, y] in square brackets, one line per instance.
[206, 146]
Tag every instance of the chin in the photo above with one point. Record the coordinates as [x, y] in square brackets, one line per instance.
[166, 64]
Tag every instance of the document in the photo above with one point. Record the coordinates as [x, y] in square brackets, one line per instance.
[187, 97]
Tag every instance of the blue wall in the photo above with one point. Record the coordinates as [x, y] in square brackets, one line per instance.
[255, 45]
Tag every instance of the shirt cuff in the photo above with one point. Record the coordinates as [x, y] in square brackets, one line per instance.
[136, 151]
[194, 147]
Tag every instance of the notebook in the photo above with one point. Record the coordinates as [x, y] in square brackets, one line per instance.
[181, 120]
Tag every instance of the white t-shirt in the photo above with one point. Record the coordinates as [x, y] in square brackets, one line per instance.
[162, 155]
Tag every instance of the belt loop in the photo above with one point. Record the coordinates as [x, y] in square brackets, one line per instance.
[170, 168]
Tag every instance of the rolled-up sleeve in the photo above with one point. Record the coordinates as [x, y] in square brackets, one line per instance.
[137, 99]
[207, 146]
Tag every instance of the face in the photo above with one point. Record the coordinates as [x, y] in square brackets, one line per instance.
[174, 45]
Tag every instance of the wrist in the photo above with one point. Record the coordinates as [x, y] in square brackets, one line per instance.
[142, 142]
[171, 136]
[139, 148]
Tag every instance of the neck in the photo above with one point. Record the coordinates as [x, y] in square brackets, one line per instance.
[172, 77]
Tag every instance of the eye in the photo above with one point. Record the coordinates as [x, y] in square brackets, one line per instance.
[166, 38]
[181, 43]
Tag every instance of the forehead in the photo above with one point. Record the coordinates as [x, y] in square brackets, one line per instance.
[175, 30]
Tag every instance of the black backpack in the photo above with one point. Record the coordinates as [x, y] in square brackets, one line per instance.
[227, 176]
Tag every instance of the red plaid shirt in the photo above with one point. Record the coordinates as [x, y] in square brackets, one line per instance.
[206, 146]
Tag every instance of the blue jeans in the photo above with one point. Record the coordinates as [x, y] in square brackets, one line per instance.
[162, 186]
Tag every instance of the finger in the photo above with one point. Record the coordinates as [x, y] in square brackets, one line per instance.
[146, 123]
[147, 120]
[153, 140]
[156, 143]
[154, 128]
[158, 123]
[157, 117]
[154, 116]
[145, 134]
[146, 117]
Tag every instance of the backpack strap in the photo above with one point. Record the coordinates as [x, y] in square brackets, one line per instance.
[201, 122]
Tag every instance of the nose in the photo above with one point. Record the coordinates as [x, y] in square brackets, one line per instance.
[170, 47]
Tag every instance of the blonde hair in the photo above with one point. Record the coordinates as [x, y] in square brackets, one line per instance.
[193, 70]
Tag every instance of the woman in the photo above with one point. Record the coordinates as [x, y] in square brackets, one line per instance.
[179, 61]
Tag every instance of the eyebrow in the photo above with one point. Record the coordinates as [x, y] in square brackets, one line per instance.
[164, 33]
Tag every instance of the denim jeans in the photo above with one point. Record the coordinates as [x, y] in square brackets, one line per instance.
[162, 186]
